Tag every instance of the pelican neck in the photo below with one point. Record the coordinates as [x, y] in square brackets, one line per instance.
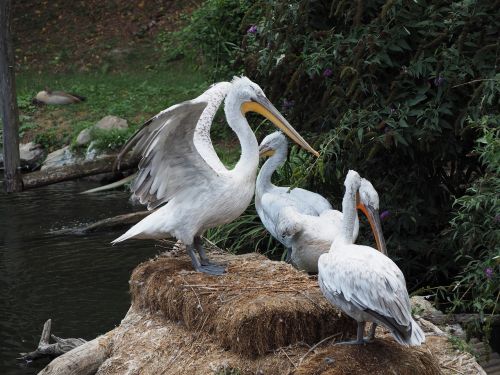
[249, 159]
[264, 179]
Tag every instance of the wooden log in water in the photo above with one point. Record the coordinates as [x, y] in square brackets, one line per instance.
[45, 349]
[83, 360]
[70, 172]
[110, 223]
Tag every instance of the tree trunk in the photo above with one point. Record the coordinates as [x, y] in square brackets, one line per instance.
[8, 103]
[70, 172]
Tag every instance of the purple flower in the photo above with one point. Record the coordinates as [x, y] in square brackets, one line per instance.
[252, 30]
[497, 218]
[327, 72]
[287, 104]
[488, 271]
[385, 215]
[439, 81]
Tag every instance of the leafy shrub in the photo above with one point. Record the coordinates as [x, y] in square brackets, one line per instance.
[475, 230]
[386, 86]
[212, 36]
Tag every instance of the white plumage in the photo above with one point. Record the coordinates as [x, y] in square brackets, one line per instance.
[180, 167]
[365, 283]
[303, 221]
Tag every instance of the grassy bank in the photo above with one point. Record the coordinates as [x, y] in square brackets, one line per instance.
[134, 95]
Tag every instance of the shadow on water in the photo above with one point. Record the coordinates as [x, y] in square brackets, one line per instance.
[81, 282]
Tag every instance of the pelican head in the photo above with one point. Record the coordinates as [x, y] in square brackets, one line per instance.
[368, 202]
[271, 143]
[253, 99]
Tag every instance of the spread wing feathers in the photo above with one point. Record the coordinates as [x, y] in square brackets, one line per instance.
[371, 282]
[170, 159]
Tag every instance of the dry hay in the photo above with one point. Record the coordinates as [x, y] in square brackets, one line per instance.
[382, 357]
[149, 344]
[257, 307]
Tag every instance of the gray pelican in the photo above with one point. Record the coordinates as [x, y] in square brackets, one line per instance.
[363, 282]
[56, 97]
[179, 166]
[303, 221]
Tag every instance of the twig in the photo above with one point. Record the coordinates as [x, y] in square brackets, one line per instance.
[196, 294]
[285, 353]
[316, 345]
[453, 369]
[473, 81]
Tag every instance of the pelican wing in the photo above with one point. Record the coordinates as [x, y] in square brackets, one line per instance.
[313, 200]
[279, 216]
[175, 148]
[369, 281]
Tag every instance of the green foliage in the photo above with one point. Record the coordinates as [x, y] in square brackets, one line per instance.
[212, 36]
[475, 230]
[112, 139]
[387, 87]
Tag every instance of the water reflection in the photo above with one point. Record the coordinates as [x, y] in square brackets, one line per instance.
[81, 282]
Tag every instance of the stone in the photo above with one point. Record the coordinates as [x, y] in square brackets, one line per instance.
[84, 137]
[111, 122]
[60, 157]
[31, 155]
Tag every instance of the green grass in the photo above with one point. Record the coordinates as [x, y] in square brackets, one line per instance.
[134, 95]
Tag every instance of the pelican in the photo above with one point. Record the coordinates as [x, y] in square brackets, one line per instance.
[363, 282]
[56, 97]
[180, 167]
[303, 221]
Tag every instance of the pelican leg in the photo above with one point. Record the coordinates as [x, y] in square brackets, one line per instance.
[204, 261]
[359, 339]
[208, 269]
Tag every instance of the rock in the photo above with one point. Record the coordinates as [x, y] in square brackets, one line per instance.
[84, 137]
[111, 122]
[60, 157]
[92, 153]
[31, 155]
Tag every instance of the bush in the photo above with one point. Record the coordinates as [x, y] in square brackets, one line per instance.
[211, 37]
[475, 230]
[386, 86]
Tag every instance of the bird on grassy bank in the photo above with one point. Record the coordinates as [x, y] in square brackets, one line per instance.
[56, 97]
[363, 282]
[180, 167]
[303, 221]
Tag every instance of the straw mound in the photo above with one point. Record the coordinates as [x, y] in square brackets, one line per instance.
[380, 358]
[149, 344]
[257, 307]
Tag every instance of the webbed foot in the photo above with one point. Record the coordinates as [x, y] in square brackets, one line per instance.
[211, 269]
[354, 342]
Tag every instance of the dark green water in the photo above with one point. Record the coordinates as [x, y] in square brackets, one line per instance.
[80, 282]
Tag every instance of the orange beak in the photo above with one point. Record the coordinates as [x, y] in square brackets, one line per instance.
[374, 219]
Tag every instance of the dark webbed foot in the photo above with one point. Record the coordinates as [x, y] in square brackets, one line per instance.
[360, 340]
[355, 342]
[203, 264]
[212, 269]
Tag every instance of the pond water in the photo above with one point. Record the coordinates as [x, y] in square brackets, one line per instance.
[80, 282]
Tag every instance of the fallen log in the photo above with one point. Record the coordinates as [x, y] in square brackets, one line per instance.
[110, 223]
[83, 360]
[70, 172]
[45, 349]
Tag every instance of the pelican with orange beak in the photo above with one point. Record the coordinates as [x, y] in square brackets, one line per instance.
[181, 172]
[304, 221]
[364, 283]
